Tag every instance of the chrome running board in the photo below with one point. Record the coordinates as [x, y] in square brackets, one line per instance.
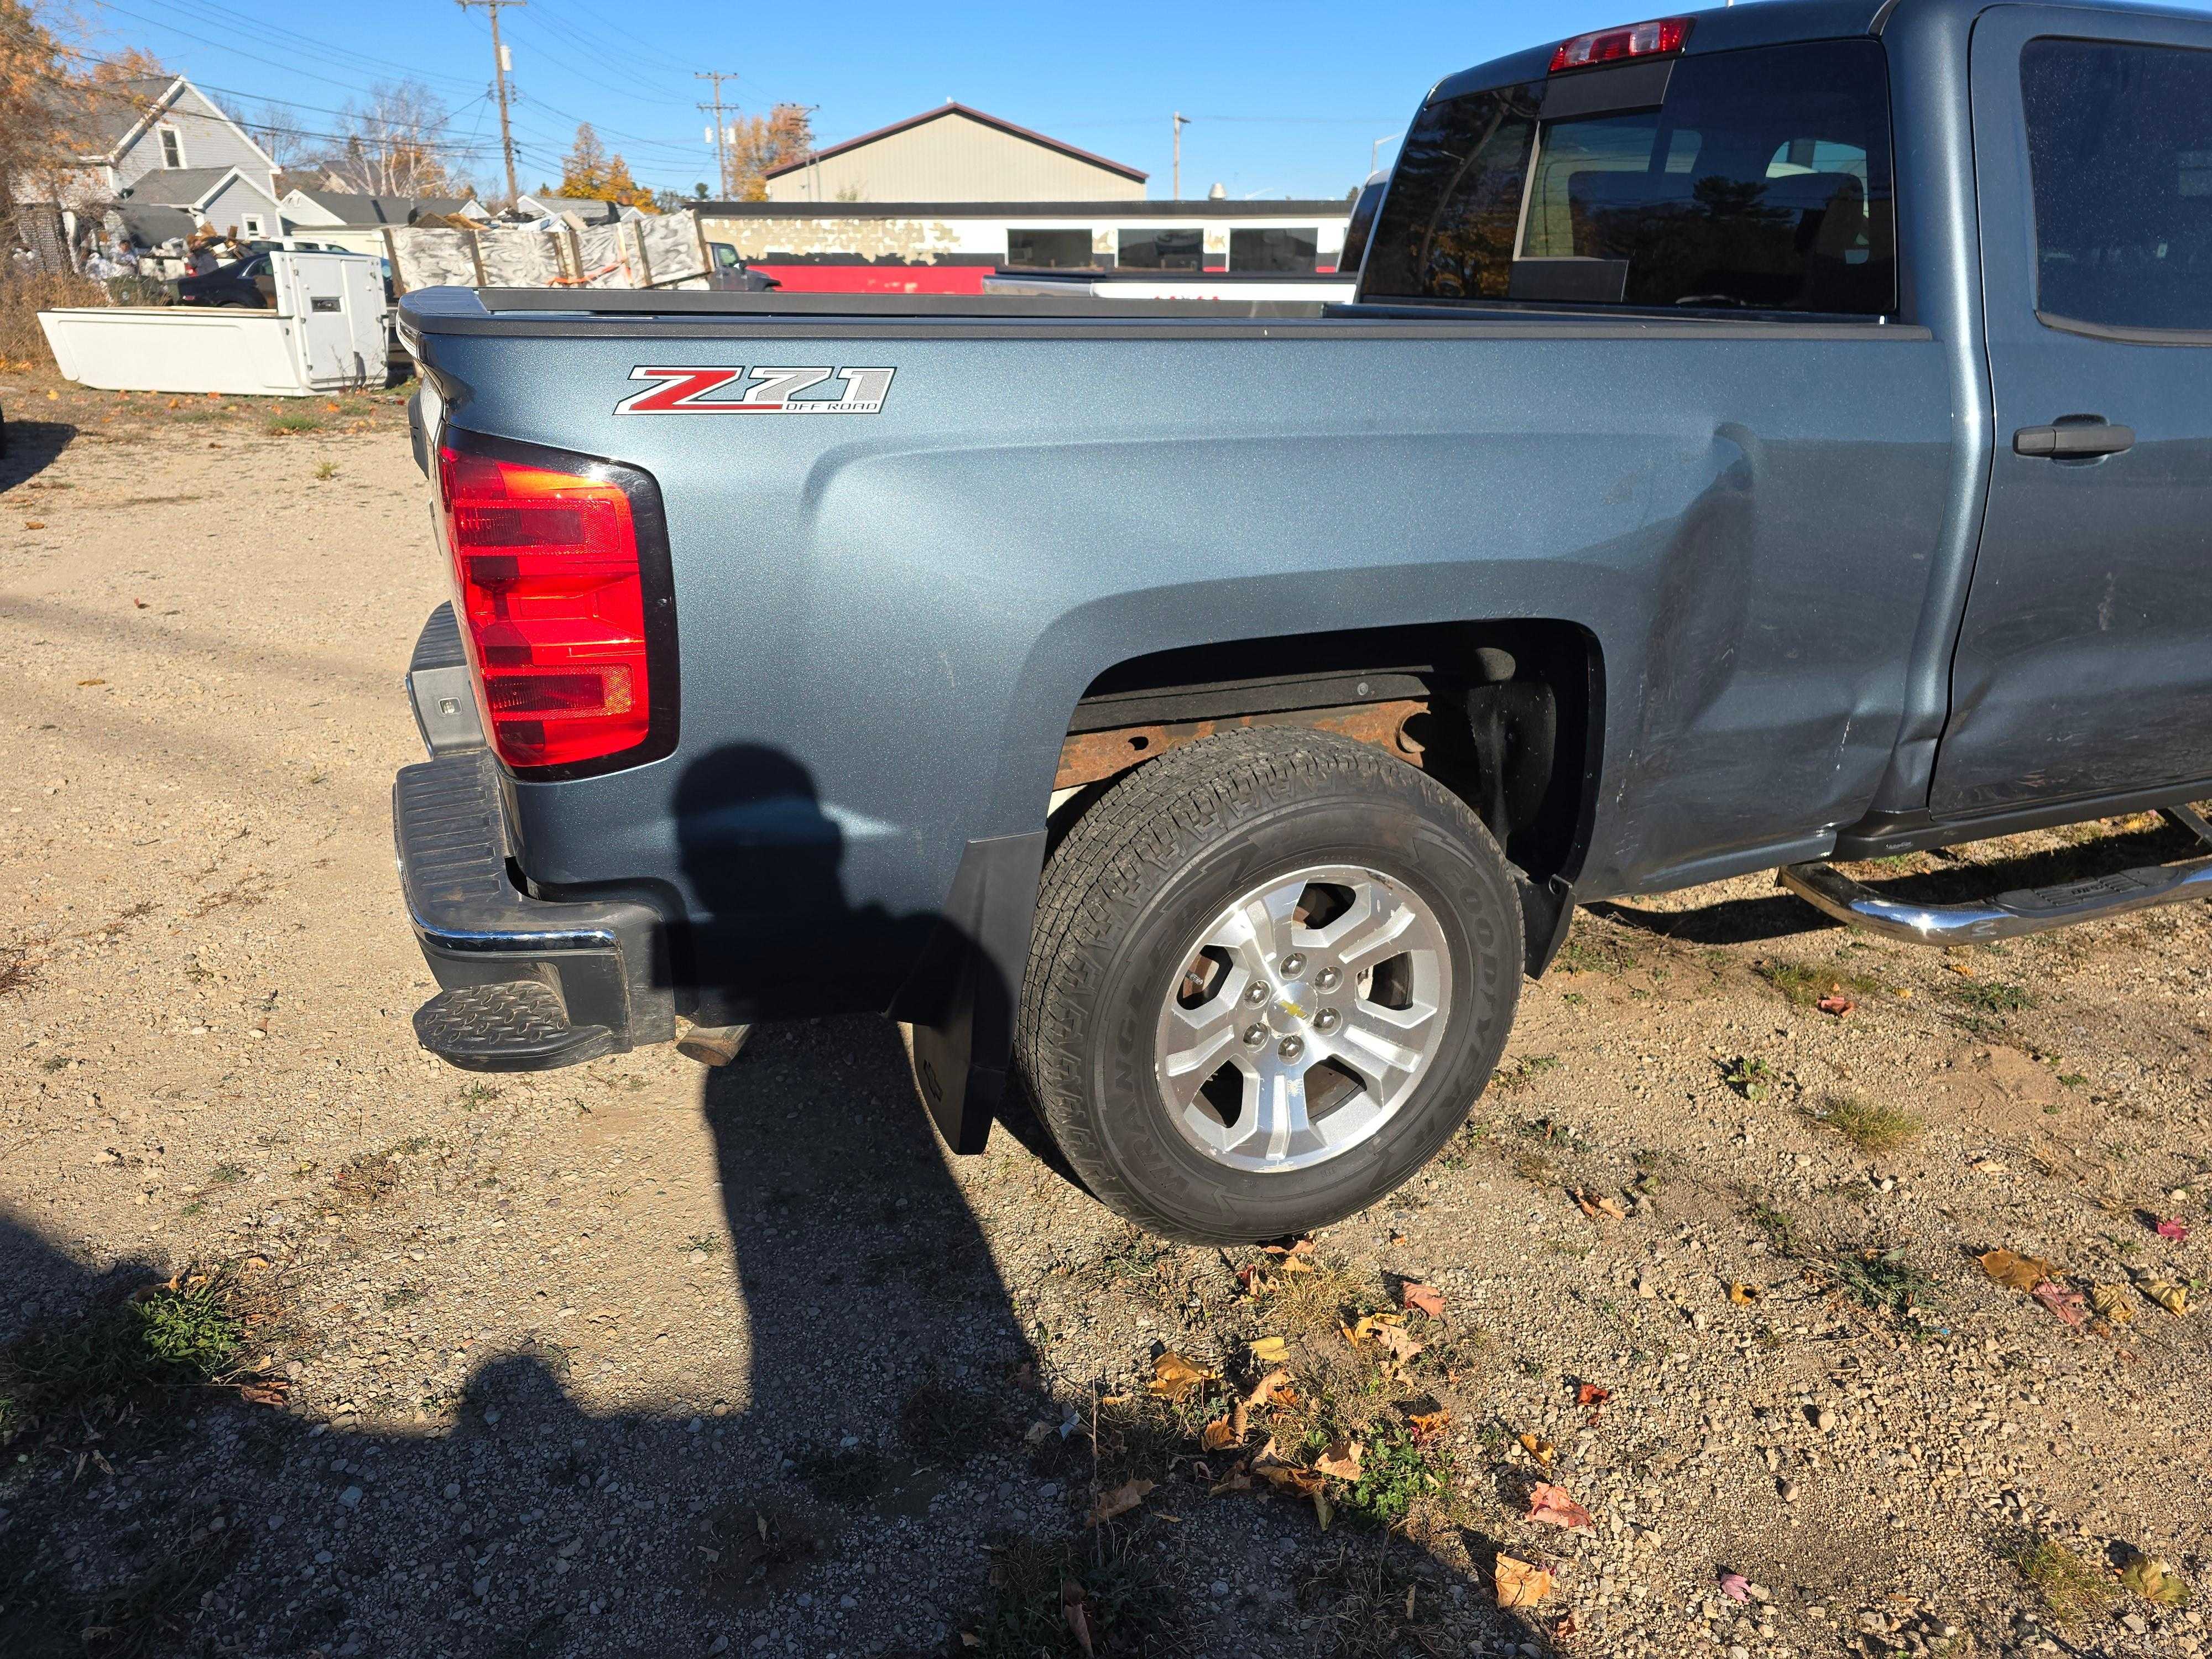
[2024, 911]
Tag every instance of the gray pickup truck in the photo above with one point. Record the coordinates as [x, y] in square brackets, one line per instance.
[1764, 437]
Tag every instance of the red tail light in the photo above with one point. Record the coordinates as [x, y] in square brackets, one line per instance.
[554, 604]
[1657, 39]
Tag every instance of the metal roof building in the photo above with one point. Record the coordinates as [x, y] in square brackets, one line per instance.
[954, 153]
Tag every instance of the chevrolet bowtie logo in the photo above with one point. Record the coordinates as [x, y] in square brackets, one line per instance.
[1290, 1008]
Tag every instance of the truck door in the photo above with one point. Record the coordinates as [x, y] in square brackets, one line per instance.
[2084, 664]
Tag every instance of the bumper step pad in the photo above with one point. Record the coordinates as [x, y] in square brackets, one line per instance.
[518, 1026]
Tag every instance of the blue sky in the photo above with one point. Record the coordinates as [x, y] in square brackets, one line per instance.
[1288, 97]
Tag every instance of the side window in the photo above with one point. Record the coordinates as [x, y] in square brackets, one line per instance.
[1163, 250]
[2120, 145]
[173, 148]
[1048, 250]
[1274, 250]
[1762, 182]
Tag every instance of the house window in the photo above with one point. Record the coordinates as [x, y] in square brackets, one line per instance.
[1273, 250]
[1048, 250]
[1164, 250]
[173, 148]
[252, 224]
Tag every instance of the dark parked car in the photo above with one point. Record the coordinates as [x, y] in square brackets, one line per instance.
[242, 282]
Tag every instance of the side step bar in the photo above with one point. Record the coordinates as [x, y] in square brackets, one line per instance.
[2024, 911]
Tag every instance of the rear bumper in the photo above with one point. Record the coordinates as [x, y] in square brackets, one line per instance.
[583, 978]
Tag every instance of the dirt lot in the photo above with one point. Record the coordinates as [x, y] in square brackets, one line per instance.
[318, 1346]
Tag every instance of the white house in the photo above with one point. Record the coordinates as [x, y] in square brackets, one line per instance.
[158, 141]
[355, 221]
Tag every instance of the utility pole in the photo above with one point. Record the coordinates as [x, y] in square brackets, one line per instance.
[721, 133]
[499, 68]
[1181, 122]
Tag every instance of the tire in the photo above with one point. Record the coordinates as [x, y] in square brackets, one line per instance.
[1126, 903]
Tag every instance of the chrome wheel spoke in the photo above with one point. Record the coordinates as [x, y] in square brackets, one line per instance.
[1291, 997]
[1279, 1125]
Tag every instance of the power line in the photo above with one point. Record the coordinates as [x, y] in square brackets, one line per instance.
[499, 62]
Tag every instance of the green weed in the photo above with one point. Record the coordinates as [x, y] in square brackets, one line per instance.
[1871, 1128]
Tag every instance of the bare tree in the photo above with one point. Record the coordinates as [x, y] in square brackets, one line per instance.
[394, 141]
[276, 127]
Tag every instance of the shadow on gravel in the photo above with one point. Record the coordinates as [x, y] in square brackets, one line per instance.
[1778, 916]
[30, 448]
[879, 1435]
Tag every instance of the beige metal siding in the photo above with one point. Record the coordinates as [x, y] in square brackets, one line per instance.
[953, 159]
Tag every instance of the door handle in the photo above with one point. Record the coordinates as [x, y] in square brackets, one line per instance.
[2074, 440]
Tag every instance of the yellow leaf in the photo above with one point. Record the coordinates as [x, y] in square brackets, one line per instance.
[1742, 1295]
[2152, 1579]
[1269, 1350]
[1542, 1450]
[2111, 1302]
[1368, 1325]
[2014, 1272]
[1519, 1583]
[1174, 1377]
[1217, 1434]
[1120, 1501]
[1323, 1512]
[2173, 1298]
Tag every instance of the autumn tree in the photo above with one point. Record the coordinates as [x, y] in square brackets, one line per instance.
[590, 174]
[34, 139]
[758, 144]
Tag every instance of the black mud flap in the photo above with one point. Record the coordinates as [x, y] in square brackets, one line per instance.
[962, 998]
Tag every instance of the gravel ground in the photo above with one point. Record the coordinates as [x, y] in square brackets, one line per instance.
[638, 1358]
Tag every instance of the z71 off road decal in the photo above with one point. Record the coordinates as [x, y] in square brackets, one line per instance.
[756, 392]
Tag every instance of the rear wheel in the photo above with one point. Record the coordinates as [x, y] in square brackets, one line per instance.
[1270, 973]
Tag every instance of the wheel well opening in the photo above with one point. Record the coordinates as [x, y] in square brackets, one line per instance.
[1503, 713]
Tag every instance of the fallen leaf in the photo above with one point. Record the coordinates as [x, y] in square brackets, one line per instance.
[92, 682]
[1219, 1434]
[1340, 1461]
[1323, 1512]
[2111, 1302]
[1174, 1377]
[1267, 1390]
[1393, 1341]
[34, 524]
[1255, 1280]
[1736, 1587]
[142, 604]
[1542, 1450]
[1553, 1507]
[1368, 1325]
[1589, 1394]
[2014, 1272]
[2066, 1303]
[1239, 1479]
[2173, 1298]
[1742, 1294]
[1612, 1207]
[1078, 1618]
[1120, 1501]
[1428, 1425]
[2155, 1581]
[1837, 1004]
[2175, 1228]
[1423, 1298]
[1520, 1584]
[1288, 1477]
[1269, 1350]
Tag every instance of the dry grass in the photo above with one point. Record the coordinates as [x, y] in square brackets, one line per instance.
[2069, 1586]
[1871, 1128]
[22, 342]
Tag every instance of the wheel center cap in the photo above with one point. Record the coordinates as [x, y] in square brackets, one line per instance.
[1292, 1008]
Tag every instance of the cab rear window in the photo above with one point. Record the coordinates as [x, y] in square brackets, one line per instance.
[1762, 182]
